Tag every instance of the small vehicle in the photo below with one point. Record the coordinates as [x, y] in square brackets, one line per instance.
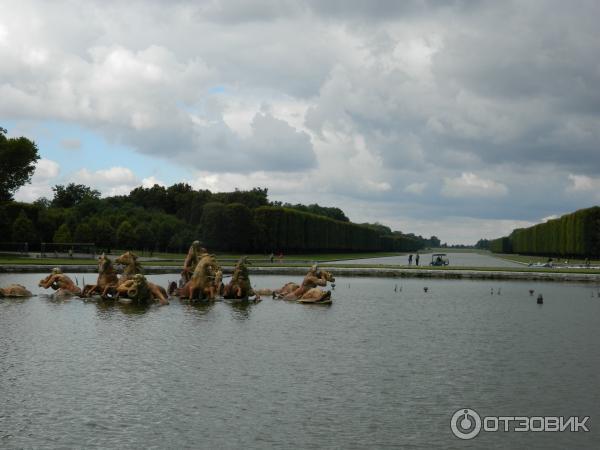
[439, 259]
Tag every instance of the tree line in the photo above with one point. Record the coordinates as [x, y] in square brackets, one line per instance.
[162, 218]
[573, 235]
[169, 218]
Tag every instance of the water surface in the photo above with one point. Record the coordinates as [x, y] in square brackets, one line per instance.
[384, 367]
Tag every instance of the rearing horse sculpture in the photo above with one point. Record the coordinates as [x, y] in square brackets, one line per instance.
[204, 283]
[107, 277]
[132, 268]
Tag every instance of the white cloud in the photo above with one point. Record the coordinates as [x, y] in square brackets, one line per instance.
[583, 183]
[113, 175]
[112, 181]
[45, 175]
[151, 181]
[551, 217]
[471, 185]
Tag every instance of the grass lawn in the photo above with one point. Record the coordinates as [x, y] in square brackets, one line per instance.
[303, 260]
[175, 259]
[540, 259]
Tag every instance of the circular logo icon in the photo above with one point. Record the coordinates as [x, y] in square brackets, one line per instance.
[465, 423]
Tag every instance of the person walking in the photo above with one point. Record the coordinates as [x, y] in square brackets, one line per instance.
[417, 259]
[410, 259]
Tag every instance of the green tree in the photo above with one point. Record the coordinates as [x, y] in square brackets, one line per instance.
[84, 233]
[144, 236]
[62, 235]
[154, 197]
[23, 229]
[214, 225]
[17, 163]
[239, 227]
[104, 233]
[72, 195]
[126, 238]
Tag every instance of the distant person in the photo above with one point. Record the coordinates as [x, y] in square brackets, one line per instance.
[271, 257]
[417, 257]
[410, 259]
[587, 262]
[280, 257]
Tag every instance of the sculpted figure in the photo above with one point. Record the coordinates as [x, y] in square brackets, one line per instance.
[308, 291]
[61, 283]
[205, 281]
[14, 291]
[107, 276]
[132, 268]
[239, 286]
[140, 291]
[282, 291]
[130, 264]
[191, 260]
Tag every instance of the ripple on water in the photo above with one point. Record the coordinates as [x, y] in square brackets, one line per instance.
[379, 368]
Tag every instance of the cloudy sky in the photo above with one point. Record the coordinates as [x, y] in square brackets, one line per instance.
[461, 119]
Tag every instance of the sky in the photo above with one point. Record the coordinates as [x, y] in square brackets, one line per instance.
[459, 119]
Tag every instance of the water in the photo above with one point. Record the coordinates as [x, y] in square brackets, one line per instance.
[457, 259]
[385, 366]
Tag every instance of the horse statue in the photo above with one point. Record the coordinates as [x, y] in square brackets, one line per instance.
[205, 282]
[239, 286]
[287, 288]
[107, 277]
[15, 291]
[61, 283]
[130, 264]
[129, 279]
[140, 291]
[308, 291]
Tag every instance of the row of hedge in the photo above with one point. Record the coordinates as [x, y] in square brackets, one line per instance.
[575, 234]
[224, 227]
[267, 229]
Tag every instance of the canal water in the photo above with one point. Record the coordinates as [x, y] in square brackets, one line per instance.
[385, 366]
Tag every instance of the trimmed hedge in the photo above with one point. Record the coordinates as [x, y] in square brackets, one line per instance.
[575, 235]
[501, 245]
[283, 228]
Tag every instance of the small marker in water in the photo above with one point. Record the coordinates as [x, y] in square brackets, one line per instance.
[540, 299]
[499, 293]
[425, 289]
[531, 291]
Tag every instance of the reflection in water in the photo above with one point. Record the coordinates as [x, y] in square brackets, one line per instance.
[107, 308]
[240, 309]
[200, 308]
